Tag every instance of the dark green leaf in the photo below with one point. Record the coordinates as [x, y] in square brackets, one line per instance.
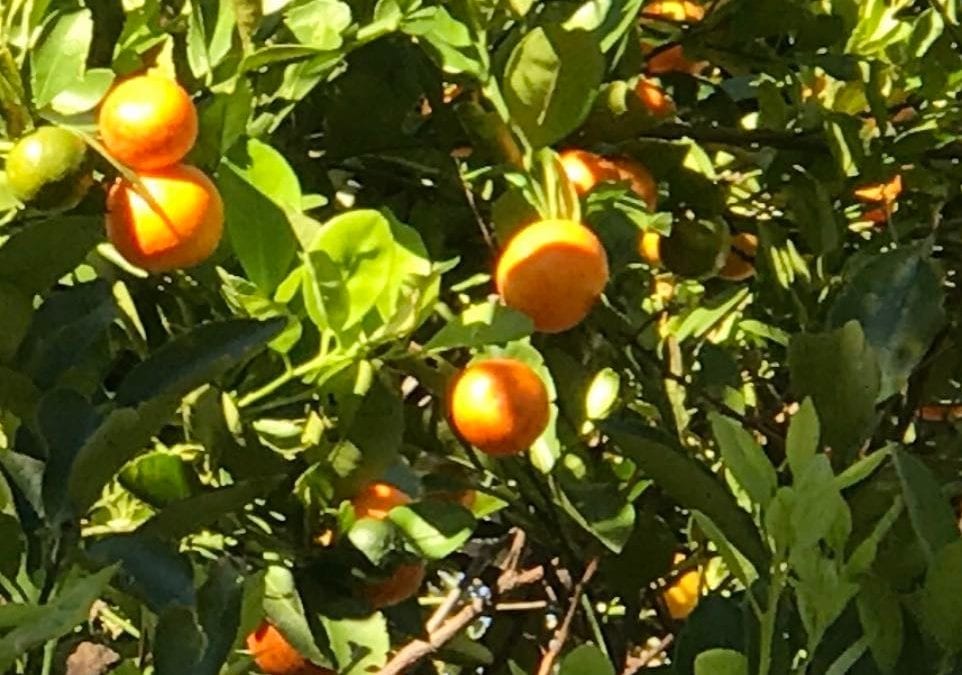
[880, 614]
[152, 569]
[66, 420]
[160, 478]
[284, 609]
[929, 510]
[180, 642]
[840, 372]
[689, 483]
[586, 660]
[359, 645]
[38, 255]
[195, 358]
[721, 662]
[942, 597]
[746, 460]
[897, 299]
[550, 82]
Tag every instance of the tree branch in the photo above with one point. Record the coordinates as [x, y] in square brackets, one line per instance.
[561, 635]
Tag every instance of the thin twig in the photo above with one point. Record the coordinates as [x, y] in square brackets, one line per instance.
[635, 663]
[561, 635]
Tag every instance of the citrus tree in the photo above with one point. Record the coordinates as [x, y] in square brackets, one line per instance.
[501, 336]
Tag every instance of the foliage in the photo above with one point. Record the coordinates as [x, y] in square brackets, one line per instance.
[179, 451]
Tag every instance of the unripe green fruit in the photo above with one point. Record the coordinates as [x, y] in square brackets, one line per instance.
[695, 248]
[49, 169]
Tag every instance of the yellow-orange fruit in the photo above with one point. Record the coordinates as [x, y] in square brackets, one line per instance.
[403, 584]
[553, 271]
[682, 596]
[185, 230]
[586, 169]
[654, 98]
[880, 193]
[377, 499]
[148, 122]
[740, 262]
[649, 248]
[639, 179]
[672, 60]
[274, 655]
[500, 406]
[674, 10]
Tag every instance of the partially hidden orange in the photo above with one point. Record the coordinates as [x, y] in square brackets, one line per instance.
[671, 60]
[585, 169]
[654, 98]
[274, 655]
[553, 271]
[376, 500]
[880, 193]
[649, 248]
[740, 262]
[674, 10]
[499, 405]
[681, 596]
[148, 122]
[184, 229]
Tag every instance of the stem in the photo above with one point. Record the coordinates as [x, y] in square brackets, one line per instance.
[768, 620]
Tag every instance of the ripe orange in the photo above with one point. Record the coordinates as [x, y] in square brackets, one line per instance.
[185, 233]
[739, 264]
[586, 169]
[274, 655]
[401, 585]
[672, 60]
[654, 98]
[674, 10]
[941, 412]
[682, 596]
[649, 248]
[148, 122]
[639, 179]
[880, 193]
[553, 271]
[377, 499]
[499, 405]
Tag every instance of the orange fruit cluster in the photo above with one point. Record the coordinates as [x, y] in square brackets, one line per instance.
[174, 217]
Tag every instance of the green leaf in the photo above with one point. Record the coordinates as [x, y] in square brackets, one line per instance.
[897, 299]
[154, 570]
[179, 642]
[689, 482]
[801, 443]
[746, 460]
[737, 564]
[644, 557]
[319, 23]
[550, 82]
[349, 260]
[435, 529]
[180, 518]
[601, 510]
[14, 546]
[481, 324]
[721, 662]
[57, 62]
[35, 257]
[16, 308]
[210, 31]
[941, 598]
[159, 478]
[219, 608]
[373, 537]
[818, 504]
[839, 371]
[586, 660]
[258, 187]
[66, 420]
[359, 645]
[50, 622]
[123, 434]
[880, 614]
[85, 94]
[448, 40]
[222, 120]
[195, 358]
[284, 609]
[861, 469]
[929, 510]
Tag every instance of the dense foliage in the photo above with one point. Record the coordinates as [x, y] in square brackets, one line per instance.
[238, 427]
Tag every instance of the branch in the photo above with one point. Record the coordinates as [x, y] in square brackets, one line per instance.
[636, 663]
[561, 635]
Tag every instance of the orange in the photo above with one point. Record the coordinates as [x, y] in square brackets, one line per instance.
[586, 169]
[649, 248]
[639, 179]
[739, 264]
[274, 655]
[879, 216]
[148, 122]
[377, 499]
[682, 596]
[654, 98]
[183, 233]
[672, 60]
[499, 405]
[880, 193]
[941, 412]
[404, 583]
[674, 10]
[553, 271]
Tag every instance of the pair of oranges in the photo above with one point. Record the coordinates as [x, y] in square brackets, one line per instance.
[175, 217]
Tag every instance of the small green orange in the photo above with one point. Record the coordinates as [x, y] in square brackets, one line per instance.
[49, 169]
